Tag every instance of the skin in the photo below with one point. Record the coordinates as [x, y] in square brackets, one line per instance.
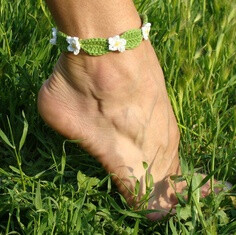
[117, 104]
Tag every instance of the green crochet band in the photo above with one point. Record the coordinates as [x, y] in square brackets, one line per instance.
[100, 46]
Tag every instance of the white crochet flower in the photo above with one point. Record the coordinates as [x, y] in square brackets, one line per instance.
[53, 40]
[146, 30]
[117, 44]
[74, 45]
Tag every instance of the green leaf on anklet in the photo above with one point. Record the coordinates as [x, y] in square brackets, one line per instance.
[95, 46]
[133, 37]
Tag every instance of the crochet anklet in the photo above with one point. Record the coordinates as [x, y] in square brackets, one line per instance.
[100, 46]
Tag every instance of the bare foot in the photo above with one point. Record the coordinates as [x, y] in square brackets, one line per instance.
[118, 106]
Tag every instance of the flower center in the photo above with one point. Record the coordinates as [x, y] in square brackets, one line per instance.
[117, 44]
[74, 45]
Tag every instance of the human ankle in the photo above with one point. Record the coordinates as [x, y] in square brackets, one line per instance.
[113, 69]
[89, 19]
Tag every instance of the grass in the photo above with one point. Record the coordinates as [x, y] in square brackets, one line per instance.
[49, 186]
